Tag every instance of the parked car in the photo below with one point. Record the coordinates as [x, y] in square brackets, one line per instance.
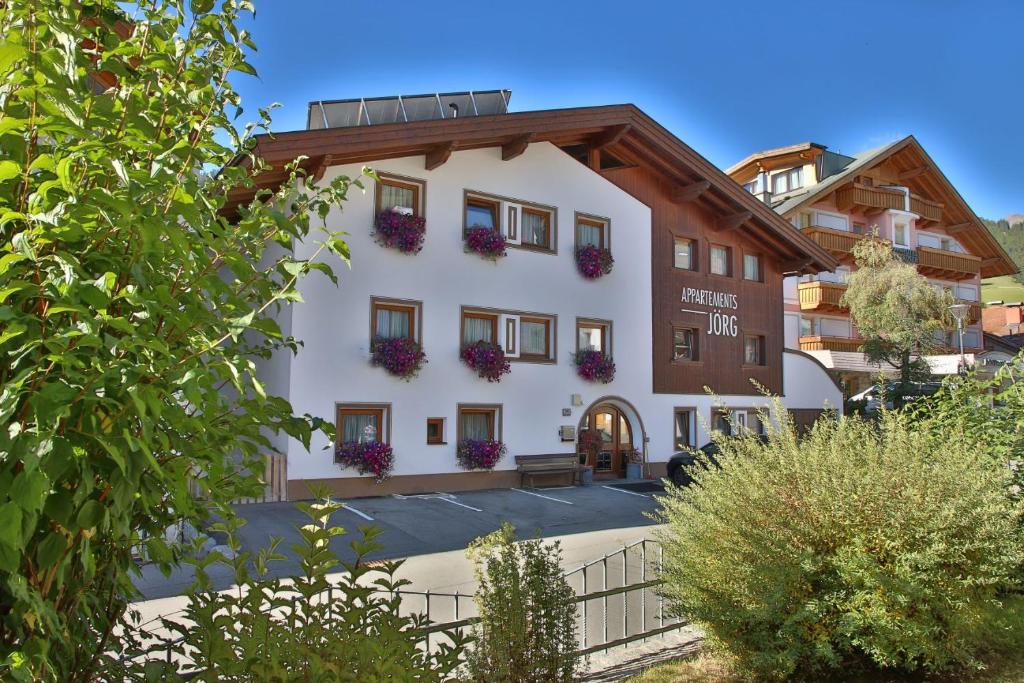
[895, 395]
[681, 465]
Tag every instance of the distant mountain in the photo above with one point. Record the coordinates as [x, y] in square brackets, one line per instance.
[1009, 232]
[1015, 219]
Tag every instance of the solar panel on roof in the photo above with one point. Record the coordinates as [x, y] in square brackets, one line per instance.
[402, 109]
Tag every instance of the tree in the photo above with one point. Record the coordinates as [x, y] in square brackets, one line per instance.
[895, 310]
[132, 311]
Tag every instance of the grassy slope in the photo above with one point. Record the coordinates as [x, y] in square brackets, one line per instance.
[1004, 288]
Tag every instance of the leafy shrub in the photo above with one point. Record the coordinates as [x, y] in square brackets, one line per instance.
[319, 626]
[400, 356]
[594, 366]
[863, 544]
[487, 359]
[486, 242]
[527, 628]
[594, 262]
[368, 457]
[479, 454]
[400, 231]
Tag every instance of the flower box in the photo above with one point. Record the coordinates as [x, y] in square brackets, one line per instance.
[594, 366]
[486, 242]
[487, 359]
[400, 231]
[368, 457]
[400, 356]
[479, 454]
[594, 262]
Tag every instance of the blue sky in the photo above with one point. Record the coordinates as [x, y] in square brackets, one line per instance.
[728, 78]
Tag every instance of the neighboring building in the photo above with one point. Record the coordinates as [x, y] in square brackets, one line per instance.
[836, 200]
[694, 301]
[1003, 319]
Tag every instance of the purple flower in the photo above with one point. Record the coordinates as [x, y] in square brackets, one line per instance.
[369, 457]
[487, 359]
[400, 231]
[400, 356]
[479, 454]
[594, 366]
[593, 262]
[485, 241]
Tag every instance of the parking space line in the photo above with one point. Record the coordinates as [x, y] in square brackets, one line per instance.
[362, 514]
[632, 493]
[448, 498]
[531, 493]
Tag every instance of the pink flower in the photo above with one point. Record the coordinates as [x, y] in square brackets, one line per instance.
[487, 359]
[486, 242]
[400, 231]
[369, 457]
[594, 366]
[593, 262]
[400, 356]
[479, 454]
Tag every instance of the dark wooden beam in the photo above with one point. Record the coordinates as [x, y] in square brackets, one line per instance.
[516, 146]
[958, 227]
[994, 261]
[609, 136]
[795, 266]
[439, 154]
[732, 221]
[911, 173]
[688, 193]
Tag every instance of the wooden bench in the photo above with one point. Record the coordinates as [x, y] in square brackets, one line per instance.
[547, 463]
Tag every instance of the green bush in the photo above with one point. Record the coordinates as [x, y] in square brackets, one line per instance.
[527, 628]
[348, 626]
[875, 545]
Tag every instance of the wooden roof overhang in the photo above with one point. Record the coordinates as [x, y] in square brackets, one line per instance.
[624, 130]
[909, 164]
[771, 159]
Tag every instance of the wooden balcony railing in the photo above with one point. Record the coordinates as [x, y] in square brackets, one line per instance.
[838, 242]
[974, 313]
[947, 264]
[926, 208]
[821, 296]
[819, 343]
[856, 194]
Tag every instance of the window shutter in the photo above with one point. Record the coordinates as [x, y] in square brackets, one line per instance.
[511, 219]
[508, 334]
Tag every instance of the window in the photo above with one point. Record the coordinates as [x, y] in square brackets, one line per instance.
[593, 335]
[435, 430]
[753, 350]
[479, 327]
[536, 228]
[592, 231]
[682, 438]
[394, 319]
[684, 344]
[899, 235]
[534, 335]
[754, 186]
[720, 258]
[362, 423]
[808, 327]
[482, 213]
[752, 267]
[480, 422]
[805, 220]
[721, 421]
[786, 181]
[399, 194]
[685, 256]
[859, 228]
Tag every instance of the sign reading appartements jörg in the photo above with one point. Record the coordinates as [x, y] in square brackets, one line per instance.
[721, 321]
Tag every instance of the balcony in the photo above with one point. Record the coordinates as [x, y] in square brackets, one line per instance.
[821, 296]
[872, 199]
[947, 265]
[928, 210]
[839, 243]
[818, 343]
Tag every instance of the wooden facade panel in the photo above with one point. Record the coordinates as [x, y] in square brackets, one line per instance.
[759, 305]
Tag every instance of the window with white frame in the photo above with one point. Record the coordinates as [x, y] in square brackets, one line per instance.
[521, 336]
[787, 181]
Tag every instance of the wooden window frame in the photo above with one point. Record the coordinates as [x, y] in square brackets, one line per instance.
[760, 266]
[549, 218]
[439, 441]
[606, 333]
[419, 188]
[695, 345]
[479, 315]
[728, 260]
[604, 224]
[691, 426]
[493, 410]
[762, 345]
[381, 410]
[473, 199]
[409, 305]
[546, 322]
[694, 253]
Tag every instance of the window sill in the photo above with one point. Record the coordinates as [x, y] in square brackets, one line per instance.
[535, 361]
[679, 361]
[437, 443]
[534, 248]
[719, 275]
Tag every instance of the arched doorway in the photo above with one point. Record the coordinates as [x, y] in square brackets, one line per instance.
[606, 440]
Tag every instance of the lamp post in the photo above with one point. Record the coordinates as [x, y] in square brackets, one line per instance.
[959, 313]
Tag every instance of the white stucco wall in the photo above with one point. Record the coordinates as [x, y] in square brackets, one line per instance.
[333, 365]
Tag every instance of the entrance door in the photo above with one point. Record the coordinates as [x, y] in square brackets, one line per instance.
[605, 441]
